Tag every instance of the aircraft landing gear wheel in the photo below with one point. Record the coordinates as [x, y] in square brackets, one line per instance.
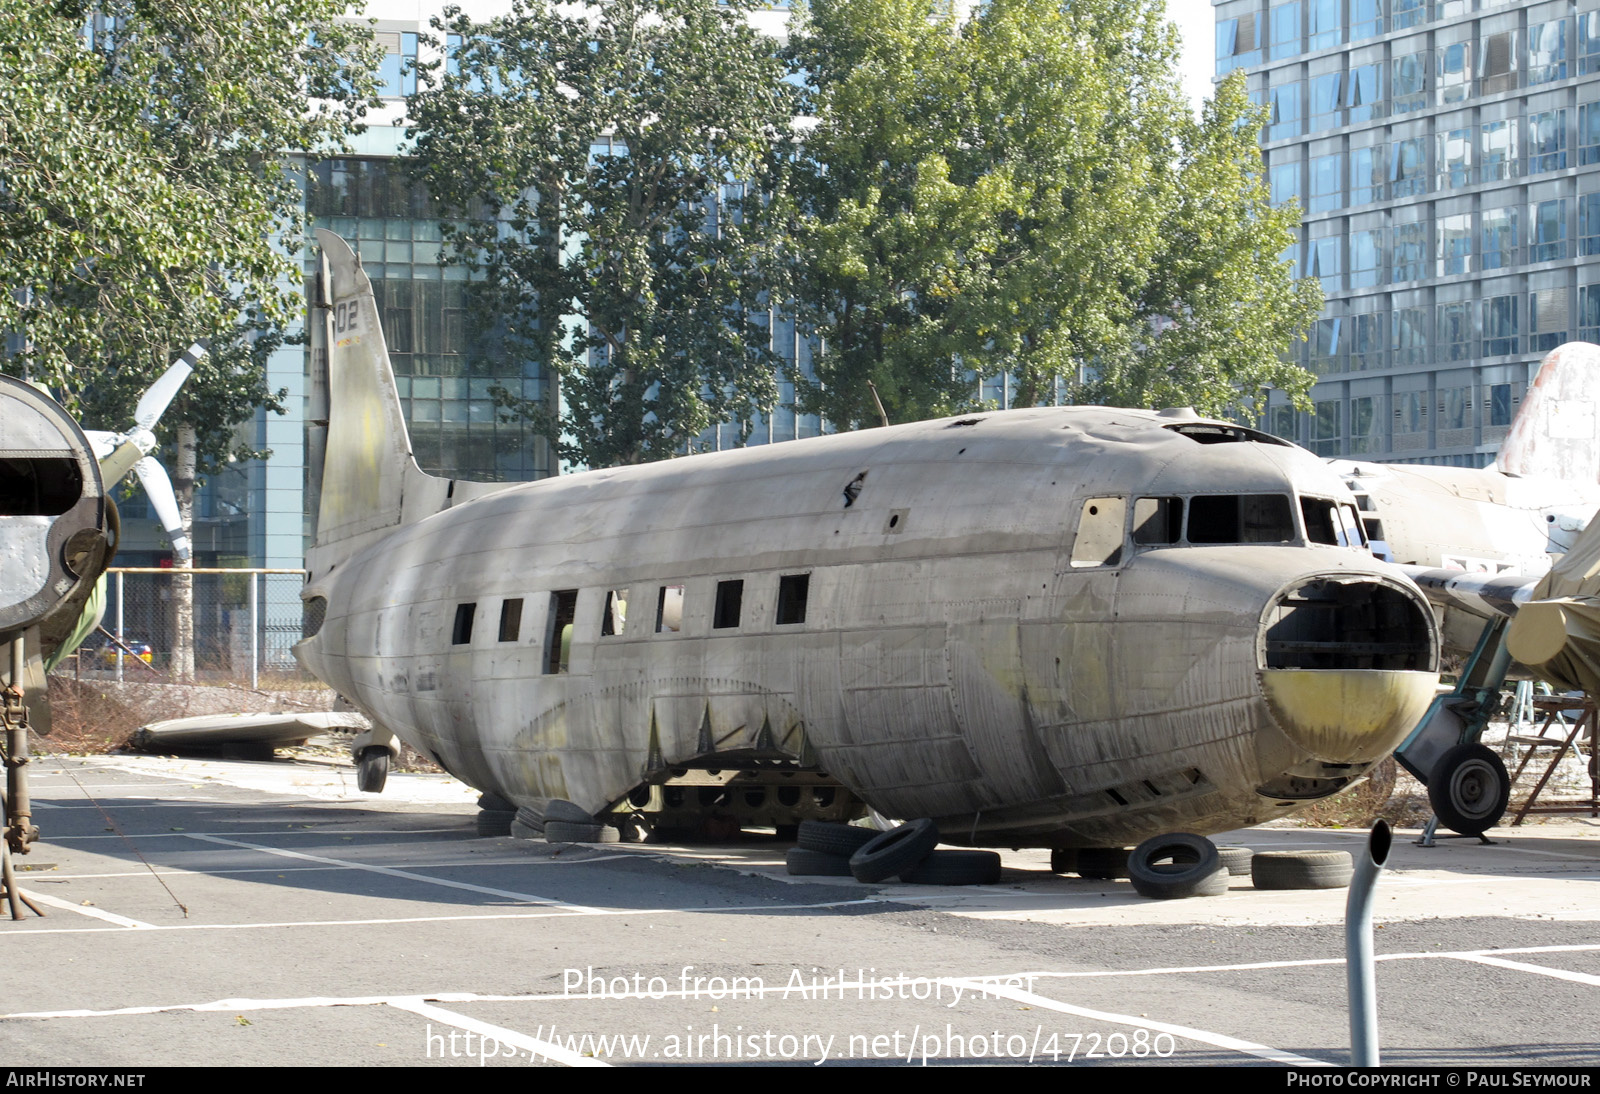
[372, 769]
[1468, 789]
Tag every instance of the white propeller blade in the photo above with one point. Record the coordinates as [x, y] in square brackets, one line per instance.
[159, 490]
[154, 401]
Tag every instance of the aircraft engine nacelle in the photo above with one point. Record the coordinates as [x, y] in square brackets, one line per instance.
[56, 525]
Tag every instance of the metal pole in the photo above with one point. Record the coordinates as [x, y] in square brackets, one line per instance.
[121, 600]
[1358, 959]
[255, 631]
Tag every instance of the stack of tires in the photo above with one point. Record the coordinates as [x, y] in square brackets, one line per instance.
[1184, 865]
[907, 851]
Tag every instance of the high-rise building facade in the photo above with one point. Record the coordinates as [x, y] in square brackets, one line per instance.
[1446, 157]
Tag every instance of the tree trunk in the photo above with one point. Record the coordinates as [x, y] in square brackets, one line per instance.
[183, 581]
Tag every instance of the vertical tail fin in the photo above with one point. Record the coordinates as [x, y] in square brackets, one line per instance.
[371, 484]
[1557, 430]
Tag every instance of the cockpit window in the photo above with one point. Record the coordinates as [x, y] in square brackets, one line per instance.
[1157, 521]
[1241, 518]
[1331, 522]
[1099, 538]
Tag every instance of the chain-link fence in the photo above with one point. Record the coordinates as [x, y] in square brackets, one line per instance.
[245, 622]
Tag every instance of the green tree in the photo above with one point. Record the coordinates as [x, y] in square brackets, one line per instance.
[607, 167]
[147, 201]
[1026, 191]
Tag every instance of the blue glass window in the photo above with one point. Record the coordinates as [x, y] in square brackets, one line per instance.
[1367, 175]
[1548, 240]
[1324, 28]
[1547, 141]
[1285, 30]
[1325, 100]
[1499, 238]
[1327, 183]
[1547, 52]
[1284, 120]
[1406, 83]
[1366, 19]
[1366, 92]
[1500, 333]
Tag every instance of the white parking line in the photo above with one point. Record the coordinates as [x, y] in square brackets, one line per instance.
[1522, 966]
[86, 909]
[1205, 1037]
[406, 874]
[564, 913]
[546, 1049]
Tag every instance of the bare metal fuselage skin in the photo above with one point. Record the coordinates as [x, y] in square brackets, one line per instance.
[956, 659]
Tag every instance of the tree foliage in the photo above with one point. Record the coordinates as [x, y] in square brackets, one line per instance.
[608, 165]
[1025, 190]
[145, 200]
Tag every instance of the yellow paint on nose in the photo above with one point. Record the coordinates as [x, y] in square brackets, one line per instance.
[1347, 716]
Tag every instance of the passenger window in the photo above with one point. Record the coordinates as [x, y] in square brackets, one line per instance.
[669, 610]
[726, 612]
[510, 619]
[558, 632]
[616, 612]
[1099, 538]
[1248, 518]
[461, 634]
[793, 589]
[1157, 521]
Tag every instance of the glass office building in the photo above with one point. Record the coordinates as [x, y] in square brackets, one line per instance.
[1446, 157]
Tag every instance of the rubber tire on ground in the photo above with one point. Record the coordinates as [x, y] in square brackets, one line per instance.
[1063, 860]
[804, 862]
[1301, 869]
[955, 867]
[567, 832]
[1236, 860]
[527, 825]
[1192, 871]
[495, 822]
[372, 769]
[833, 838]
[895, 851]
[490, 800]
[1102, 862]
[1468, 789]
[521, 829]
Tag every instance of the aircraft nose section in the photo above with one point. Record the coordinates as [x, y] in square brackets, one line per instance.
[1349, 663]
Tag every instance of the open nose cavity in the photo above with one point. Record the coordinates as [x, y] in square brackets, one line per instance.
[1348, 663]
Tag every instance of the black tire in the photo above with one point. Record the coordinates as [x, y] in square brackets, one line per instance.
[895, 851]
[1102, 862]
[1301, 869]
[1063, 860]
[372, 769]
[804, 862]
[1175, 866]
[490, 800]
[1236, 860]
[568, 832]
[955, 868]
[495, 822]
[834, 839]
[527, 825]
[520, 829]
[1468, 789]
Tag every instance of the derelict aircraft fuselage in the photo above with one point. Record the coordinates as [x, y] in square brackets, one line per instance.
[1047, 627]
